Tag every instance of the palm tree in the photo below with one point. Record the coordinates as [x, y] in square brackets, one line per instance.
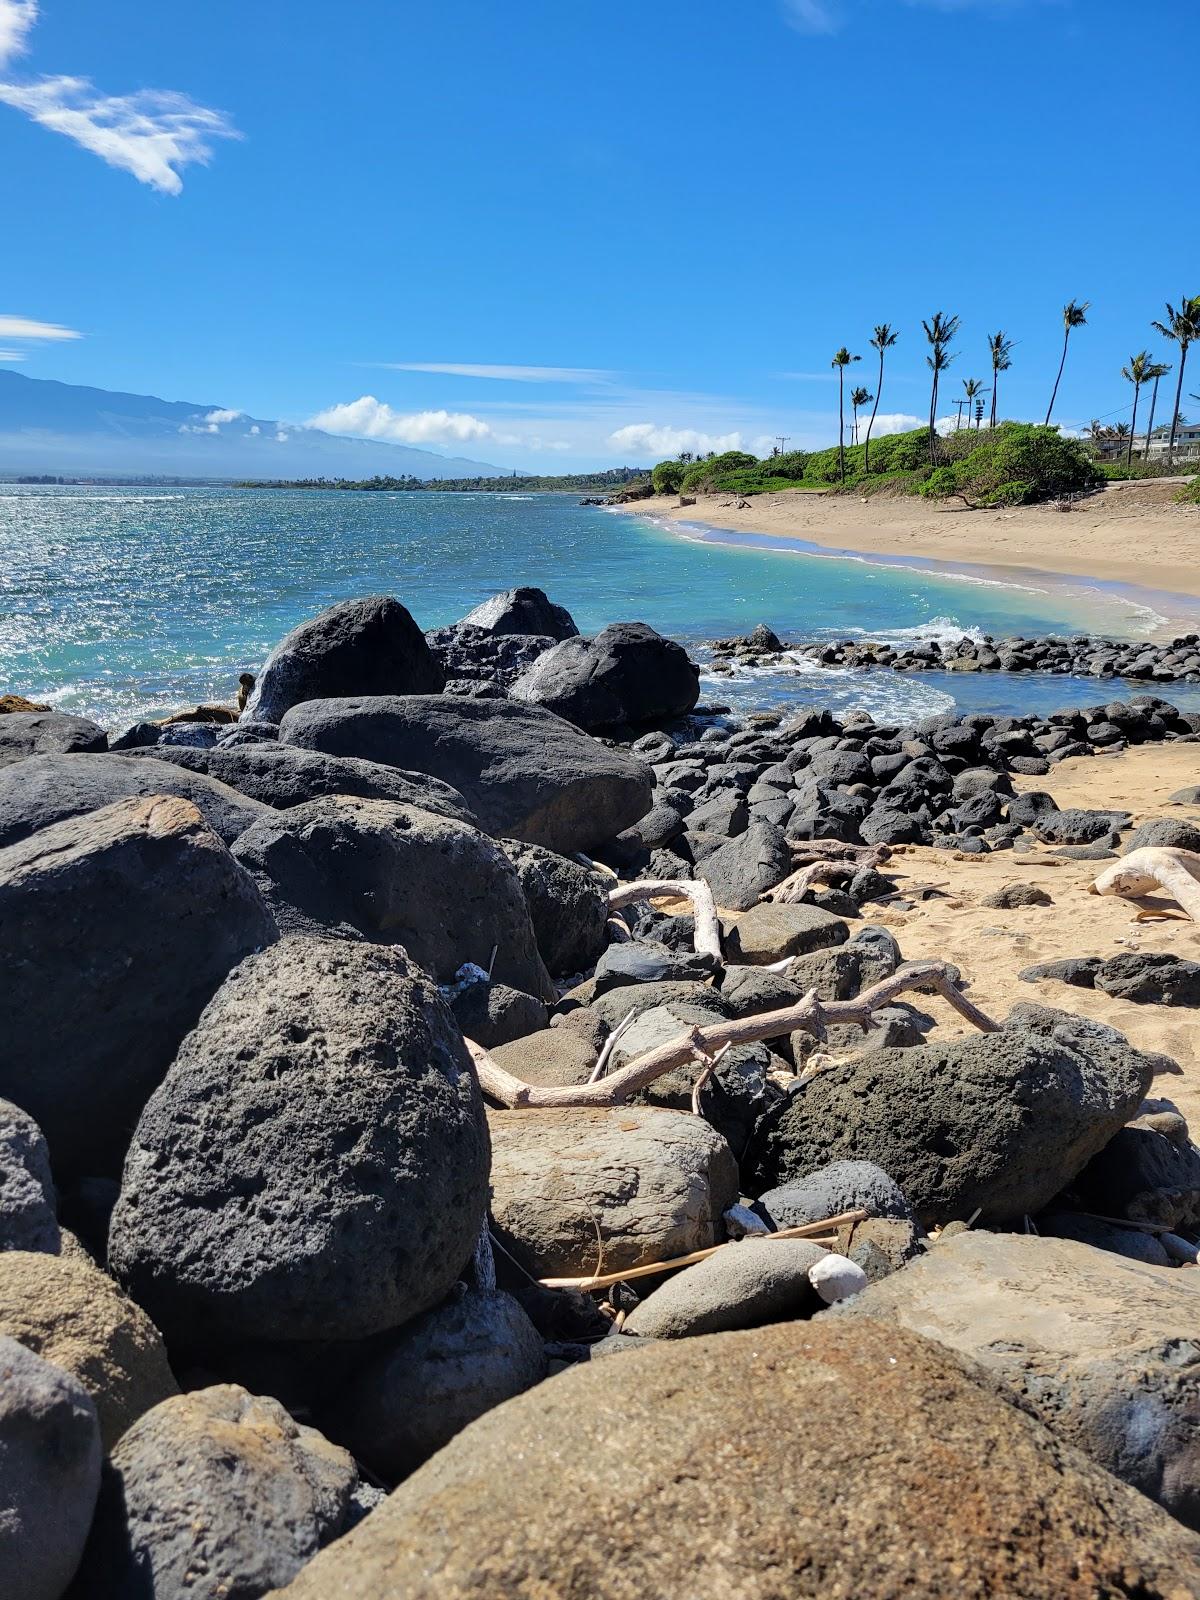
[882, 339]
[1074, 316]
[859, 397]
[1135, 373]
[972, 389]
[1123, 431]
[1182, 327]
[841, 361]
[1001, 349]
[940, 333]
[1156, 370]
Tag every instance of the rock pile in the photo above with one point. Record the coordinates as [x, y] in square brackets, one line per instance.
[365, 1070]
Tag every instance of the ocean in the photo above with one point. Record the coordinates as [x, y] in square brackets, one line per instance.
[119, 603]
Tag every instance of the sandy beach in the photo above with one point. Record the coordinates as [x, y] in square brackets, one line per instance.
[1131, 534]
[992, 946]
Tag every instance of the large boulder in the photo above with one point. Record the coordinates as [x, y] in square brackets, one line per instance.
[118, 926]
[756, 1281]
[525, 773]
[27, 1198]
[73, 1314]
[627, 675]
[741, 871]
[478, 662]
[434, 1377]
[280, 776]
[34, 733]
[769, 933]
[523, 610]
[394, 874]
[369, 646]
[995, 1122]
[49, 1473]
[796, 1462]
[597, 1190]
[567, 904]
[217, 1493]
[1102, 1348]
[315, 1163]
[49, 789]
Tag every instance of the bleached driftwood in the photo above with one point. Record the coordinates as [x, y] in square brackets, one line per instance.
[863, 855]
[797, 884]
[1142, 872]
[810, 1014]
[820, 1231]
[704, 907]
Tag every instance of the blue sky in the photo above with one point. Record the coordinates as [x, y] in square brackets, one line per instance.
[552, 233]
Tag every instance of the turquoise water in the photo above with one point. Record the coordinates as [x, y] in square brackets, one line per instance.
[119, 602]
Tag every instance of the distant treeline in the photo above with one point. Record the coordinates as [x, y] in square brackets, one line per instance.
[569, 483]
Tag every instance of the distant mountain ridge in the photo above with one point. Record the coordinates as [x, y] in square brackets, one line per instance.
[66, 428]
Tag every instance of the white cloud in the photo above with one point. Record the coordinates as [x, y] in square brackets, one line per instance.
[11, 355]
[224, 416]
[508, 374]
[812, 16]
[17, 18]
[256, 429]
[28, 328]
[646, 439]
[890, 422]
[152, 133]
[368, 418]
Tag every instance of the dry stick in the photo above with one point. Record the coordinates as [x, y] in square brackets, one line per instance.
[704, 908]
[865, 855]
[610, 1044]
[799, 883]
[810, 1014]
[711, 1064]
[817, 1231]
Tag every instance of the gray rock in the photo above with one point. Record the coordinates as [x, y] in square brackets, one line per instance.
[120, 925]
[49, 1472]
[999, 1122]
[555, 1057]
[587, 1190]
[281, 776]
[215, 1493]
[493, 1014]
[69, 1312]
[742, 870]
[435, 1376]
[392, 874]
[750, 990]
[1165, 831]
[643, 961]
[1189, 796]
[769, 933]
[525, 773]
[314, 1165]
[800, 1460]
[358, 647]
[524, 610]
[188, 736]
[35, 733]
[1150, 977]
[53, 788]
[1013, 895]
[751, 1283]
[27, 1197]
[627, 675]
[1103, 1348]
[702, 1003]
[1131, 1242]
[841, 1186]
[1075, 826]
[1147, 1176]
[567, 906]
[1079, 971]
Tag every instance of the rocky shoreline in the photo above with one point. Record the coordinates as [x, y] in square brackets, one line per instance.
[466, 1128]
[1082, 656]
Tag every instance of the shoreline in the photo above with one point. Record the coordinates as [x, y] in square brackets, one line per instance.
[1001, 546]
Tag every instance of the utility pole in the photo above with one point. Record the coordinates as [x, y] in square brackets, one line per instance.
[782, 439]
[958, 421]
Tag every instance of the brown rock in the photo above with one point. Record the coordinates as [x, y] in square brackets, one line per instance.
[849, 1462]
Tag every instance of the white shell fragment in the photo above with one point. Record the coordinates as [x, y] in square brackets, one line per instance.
[836, 1278]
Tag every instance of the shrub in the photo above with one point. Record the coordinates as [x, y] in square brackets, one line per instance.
[1016, 464]
[1189, 495]
[667, 477]
[709, 474]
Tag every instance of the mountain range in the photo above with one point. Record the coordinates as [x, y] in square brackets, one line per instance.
[68, 430]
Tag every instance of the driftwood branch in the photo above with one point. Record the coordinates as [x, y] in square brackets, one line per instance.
[797, 884]
[704, 908]
[861, 855]
[809, 1014]
[1142, 872]
[817, 1231]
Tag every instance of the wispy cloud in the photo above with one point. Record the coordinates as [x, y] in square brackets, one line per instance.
[11, 355]
[508, 374]
[369, 418]
[827, 16]
[813, 16]
[151, 134]
[28, 328]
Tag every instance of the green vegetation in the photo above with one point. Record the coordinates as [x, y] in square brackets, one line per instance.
[629, 481]
[1189, 495]
[1014, 465]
